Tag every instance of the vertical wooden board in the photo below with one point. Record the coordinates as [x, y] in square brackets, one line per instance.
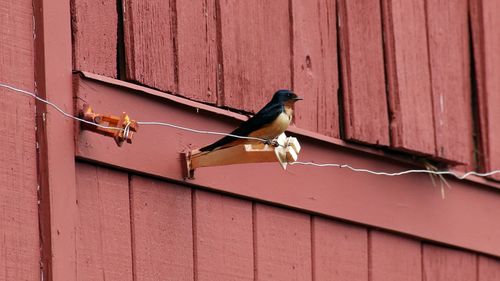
[488, 269]
[95, 36]
[149, 33]
[394, 258]
[315, 75]
[340, 251]
[441, 263]
[362, 56]
[19, 229]
[486, 39]
[408, 75]
[162, 234]
[103, 231]
[282, 244]
[223, 235]
[197, 50]
[451, 82]
[255, 51]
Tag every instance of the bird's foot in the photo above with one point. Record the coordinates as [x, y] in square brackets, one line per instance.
[272, 142]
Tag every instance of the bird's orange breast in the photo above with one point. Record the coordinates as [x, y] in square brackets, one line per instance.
[275, 128]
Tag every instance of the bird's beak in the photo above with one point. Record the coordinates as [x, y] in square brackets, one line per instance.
[297, 98]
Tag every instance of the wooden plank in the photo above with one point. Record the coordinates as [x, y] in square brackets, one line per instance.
[473, 227]
[19, 229]
[95, 36]
[340, 251]
[441, 263]
[282, 244]
[451, 83]
[410, 100]
[486, 39]
[363, 79]
[315, 75]
[393, 257]
[256, 52]
[103, 243]
[162, 234]
[197, 50]
[148, 28]
[488, 269]
[223, 235]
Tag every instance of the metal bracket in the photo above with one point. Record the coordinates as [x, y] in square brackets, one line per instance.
[125, 126]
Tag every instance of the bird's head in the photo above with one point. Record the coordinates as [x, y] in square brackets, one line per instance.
[286, 96]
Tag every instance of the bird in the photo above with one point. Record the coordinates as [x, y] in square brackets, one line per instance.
[270, 122]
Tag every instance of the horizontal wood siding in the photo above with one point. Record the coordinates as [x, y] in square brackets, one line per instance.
[315, 66]
[363, 80]
[19, 230]
[95, 36]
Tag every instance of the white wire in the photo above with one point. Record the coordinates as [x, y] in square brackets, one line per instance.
[397, 173]
[251, 138]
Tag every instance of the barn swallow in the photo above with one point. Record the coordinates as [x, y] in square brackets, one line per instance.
[270, 122]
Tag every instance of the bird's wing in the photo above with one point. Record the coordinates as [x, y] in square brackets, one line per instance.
[265, 116]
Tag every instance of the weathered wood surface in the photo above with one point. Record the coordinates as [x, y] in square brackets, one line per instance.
[19, 242]
[363, 80]
[162, 230]
[223, 233]
[488, 268]
[256, 51]
[103, 237]
[199, 71]
[408, 76]
[393, 257]
[315, 67]
[486, 39]
[441, 263]
[149, 32]
[447, 24]
[95, 36]
[340, 250]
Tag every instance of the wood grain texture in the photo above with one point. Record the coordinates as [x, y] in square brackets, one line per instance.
[315, 75]
[197, 50]
[19, 235]
[162, 234]
[407, 66]
[95, 36]
[447, 23]
[441, 263]
[393, 257]
[363, 79]
[224, 240]
[149, 33]
[488, 269]
[340, 251]
[256, 51]
[282, 244]
[103, 237]
[486, 39]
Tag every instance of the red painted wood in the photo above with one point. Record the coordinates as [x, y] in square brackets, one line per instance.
[385, 202]
[19, 235]
[224, 240]
[103, 243]
[340, 251]
[441, 263]
[315, 75]
[94, 31]
[363, 79]
[197, 50]
[488, 269]
[410, 100]
[393, 257]
[149, 43]
[486, 39]
[282, 244]
[162, 234]
[255, 51]
[450, 74]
